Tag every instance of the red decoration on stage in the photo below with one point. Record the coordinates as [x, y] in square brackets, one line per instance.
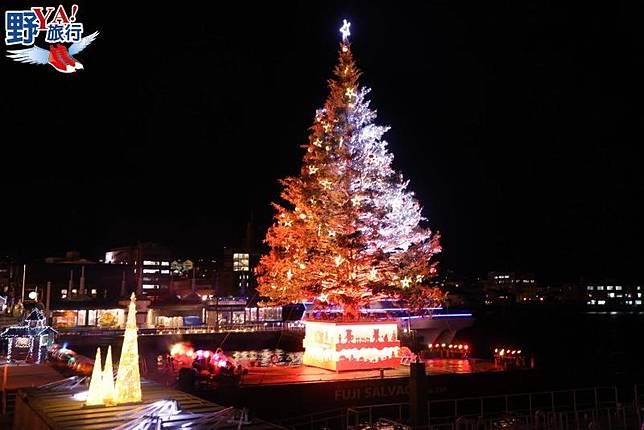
[358, 345]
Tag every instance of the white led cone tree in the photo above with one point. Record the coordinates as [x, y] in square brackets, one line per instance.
[107, 381]
[127, 388]
[350, 231]
[95, 393]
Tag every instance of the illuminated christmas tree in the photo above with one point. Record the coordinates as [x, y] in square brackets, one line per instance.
[107, 380]
[95, 394]
[350, 232]
[128, 381]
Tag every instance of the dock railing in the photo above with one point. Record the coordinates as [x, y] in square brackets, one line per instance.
[574, 409]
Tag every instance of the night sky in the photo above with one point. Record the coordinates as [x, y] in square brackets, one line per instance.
[518, 123]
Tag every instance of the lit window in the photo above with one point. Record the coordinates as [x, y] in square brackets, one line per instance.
[91, 317]
[241, 262]
[165, 272]
[609, 288]
[93, 292]
[590, 288]
[601, 302]
[74, 291]
[150, 286]
[618, 288]
[611, 295]
[639, 294]
[150, 270]
[638, 302]
[150, 263]
[165, 263]
[600, 288]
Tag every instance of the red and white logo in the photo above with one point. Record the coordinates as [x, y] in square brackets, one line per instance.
[60, 29]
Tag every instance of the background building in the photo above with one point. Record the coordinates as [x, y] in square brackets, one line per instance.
[237, 272]
[461, 291]
[614, 296]
[504, 287]
[150, 265]
[7, 276]
[67, 278]
[199, 276]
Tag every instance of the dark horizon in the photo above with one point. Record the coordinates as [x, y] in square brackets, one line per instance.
[517, 126]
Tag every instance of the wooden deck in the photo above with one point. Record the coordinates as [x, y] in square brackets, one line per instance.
[302, 374]
[40, 409]
[16, 376]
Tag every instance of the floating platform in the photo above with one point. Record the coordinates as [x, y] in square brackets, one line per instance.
[57, 408]
[301, 390]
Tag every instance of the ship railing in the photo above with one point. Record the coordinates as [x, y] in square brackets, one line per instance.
[360, 415]
[546, 410]
[603, 418]
[616, 418]
[330, 419]
[525, 403]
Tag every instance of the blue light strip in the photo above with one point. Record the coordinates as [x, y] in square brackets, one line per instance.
[400, 309]
[433, 308]
[452, 315]
[363, 310]
[465, 315]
